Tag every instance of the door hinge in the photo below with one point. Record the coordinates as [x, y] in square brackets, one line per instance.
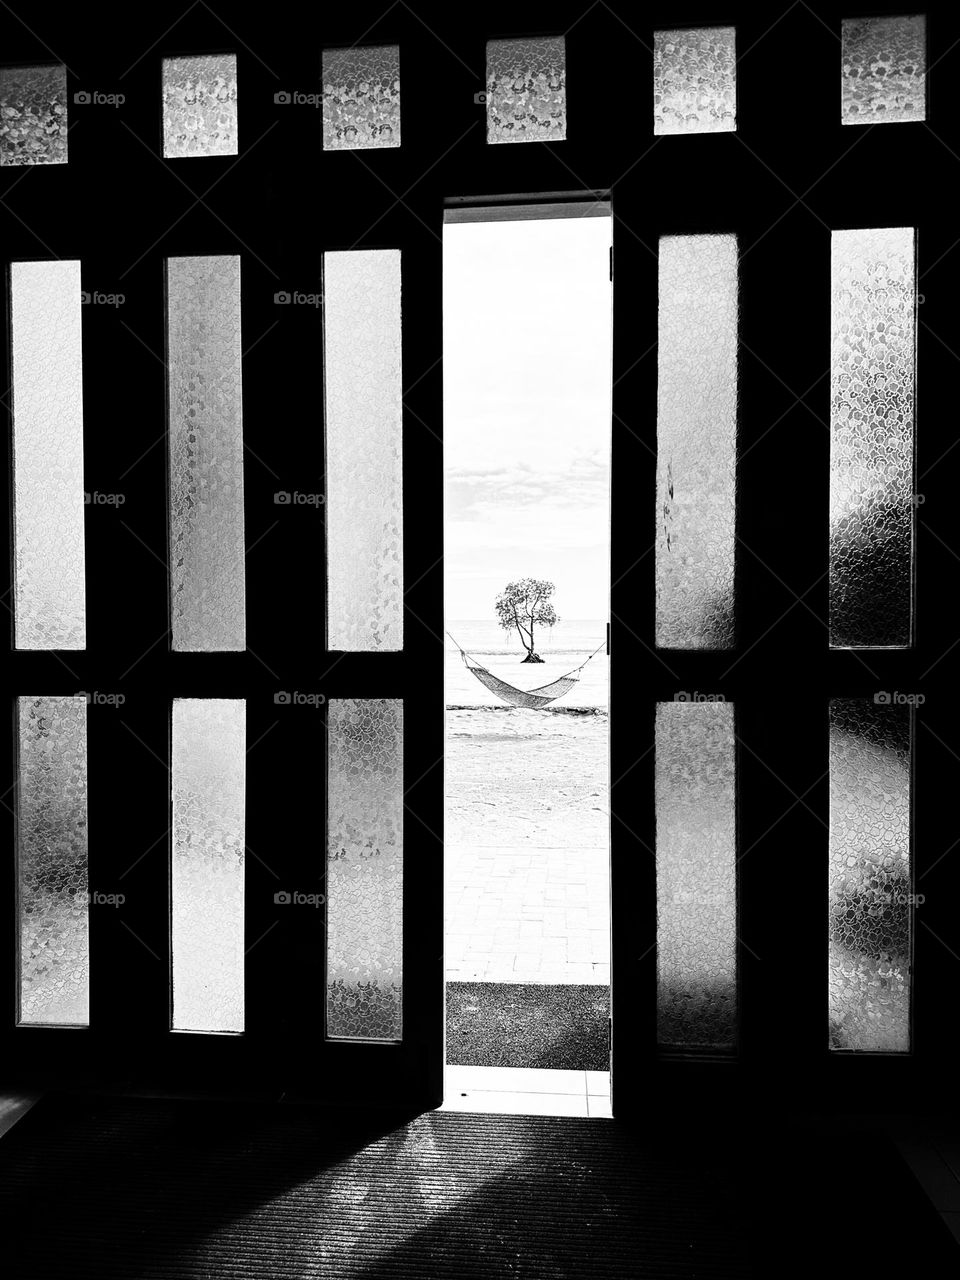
[611, 262]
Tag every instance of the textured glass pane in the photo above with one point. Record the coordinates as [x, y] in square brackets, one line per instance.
[695, 81]
[361, 98]
[47, 455]
[696, 874]
[697, 442]
[884, 70]
[527, 90]
[206, 453]
[33, 115]
[870, 875]
[206, 883]
[363, 389]
[52, 861]
[364, 869]
[872, 390]
[200, 106]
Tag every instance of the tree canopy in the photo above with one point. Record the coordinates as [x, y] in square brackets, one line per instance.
[523, 605]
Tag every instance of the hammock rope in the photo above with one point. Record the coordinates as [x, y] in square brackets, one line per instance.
[534, 699]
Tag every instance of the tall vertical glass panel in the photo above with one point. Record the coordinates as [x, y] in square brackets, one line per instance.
[695, 802]
[363, 387]
[871, 874]
[527, 90]
[364, 868]
[49, 594]
[206, 882]
[697, 443]
[52, 888]
[872, 403]
[205, 430]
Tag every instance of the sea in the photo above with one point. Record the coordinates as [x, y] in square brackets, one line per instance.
[486, 636]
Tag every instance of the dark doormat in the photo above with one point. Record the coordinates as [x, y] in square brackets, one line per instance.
[500, 1024]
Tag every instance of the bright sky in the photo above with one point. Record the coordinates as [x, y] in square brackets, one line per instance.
[527, 384]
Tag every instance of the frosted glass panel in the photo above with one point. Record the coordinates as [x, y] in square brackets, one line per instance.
[52, 861]
[872, 392]
[200, 106]
[364, 869]
[695, 801]
[363, 388]
[361, 98]
[206, 454]
[47, 455]
[33, 115]
[526, 90]
[206, 883]
[695, 81]
[883, 74]
[871, 875]
[697, 442]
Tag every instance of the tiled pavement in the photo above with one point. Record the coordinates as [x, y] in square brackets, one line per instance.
[527, 915]
[527, 1091]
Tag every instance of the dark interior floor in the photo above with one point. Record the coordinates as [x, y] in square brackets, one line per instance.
[153, 1188]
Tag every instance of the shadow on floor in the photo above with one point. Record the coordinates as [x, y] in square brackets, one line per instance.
[149, 1189]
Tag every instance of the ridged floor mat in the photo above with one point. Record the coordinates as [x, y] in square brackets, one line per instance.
[145, 1189]
[137, 1188]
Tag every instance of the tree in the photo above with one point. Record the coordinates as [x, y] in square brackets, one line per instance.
[524, 604]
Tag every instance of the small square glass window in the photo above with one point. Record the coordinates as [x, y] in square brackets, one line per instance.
[361, 98]
[200, 106]
[883, 77]
[33, 115]
[527, 90]
[695, 81]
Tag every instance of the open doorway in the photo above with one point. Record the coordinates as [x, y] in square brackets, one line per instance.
[527, 390]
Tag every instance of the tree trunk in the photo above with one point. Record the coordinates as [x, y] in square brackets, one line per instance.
[532, 657]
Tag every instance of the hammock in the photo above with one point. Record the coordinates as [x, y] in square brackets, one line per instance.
[534, 699]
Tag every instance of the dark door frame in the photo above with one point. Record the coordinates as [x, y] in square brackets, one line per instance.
[789, 175]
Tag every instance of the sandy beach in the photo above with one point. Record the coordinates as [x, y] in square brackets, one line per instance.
[527, 822]
[519, 777]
